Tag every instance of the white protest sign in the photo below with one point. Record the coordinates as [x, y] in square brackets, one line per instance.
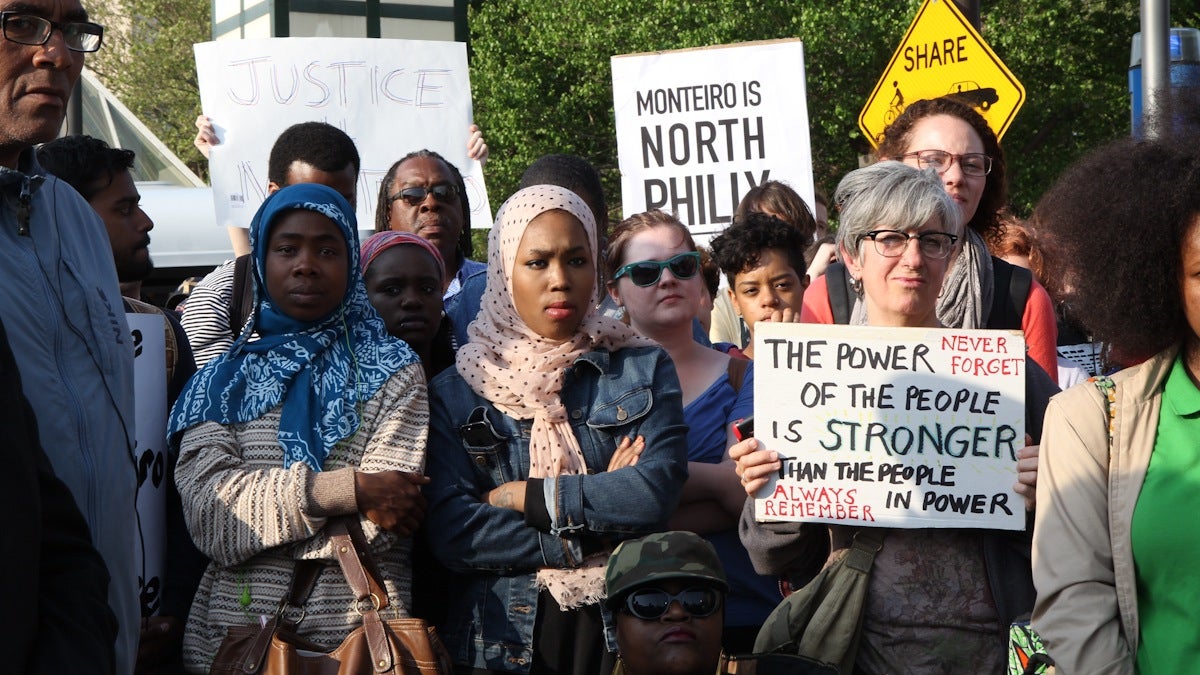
[150, 424]
[698, 128]
[390, 96]
[891, 427]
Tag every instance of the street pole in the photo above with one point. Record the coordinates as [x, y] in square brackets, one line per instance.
[970, 9]
[1156, 61]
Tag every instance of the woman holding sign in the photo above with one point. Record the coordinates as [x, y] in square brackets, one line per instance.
[560, 433]
[1113, 554]
[938, 600]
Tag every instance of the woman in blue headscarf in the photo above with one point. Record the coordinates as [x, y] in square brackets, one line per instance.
[314, 412]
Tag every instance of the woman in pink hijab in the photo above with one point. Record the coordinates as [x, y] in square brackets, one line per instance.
[559, 434]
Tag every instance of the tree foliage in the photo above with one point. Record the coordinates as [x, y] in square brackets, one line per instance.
[543, 84]
[147, 61]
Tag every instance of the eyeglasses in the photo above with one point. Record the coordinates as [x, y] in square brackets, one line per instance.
[413, 196]
[647, 272]
[971, 163]
[649, 604]
[891, 244]
[27, 29]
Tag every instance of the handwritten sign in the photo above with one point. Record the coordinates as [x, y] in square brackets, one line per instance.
[698, 128]
[390, 96]
[891, 427]
[150, 454]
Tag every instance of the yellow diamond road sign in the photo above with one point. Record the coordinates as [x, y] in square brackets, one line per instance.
[942, 54]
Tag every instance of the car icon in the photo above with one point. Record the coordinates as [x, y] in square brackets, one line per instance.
[970, 92]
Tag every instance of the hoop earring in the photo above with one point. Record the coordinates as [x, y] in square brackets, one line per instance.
[856, 285]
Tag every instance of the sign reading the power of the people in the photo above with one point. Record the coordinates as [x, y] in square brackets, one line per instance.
[698, 128]
[891, 427]
[390, 96]
[942, 54]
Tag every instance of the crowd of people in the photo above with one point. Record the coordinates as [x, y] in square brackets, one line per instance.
[541, 447]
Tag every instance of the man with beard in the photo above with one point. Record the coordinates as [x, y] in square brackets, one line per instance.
[59, 301]
[103, 176]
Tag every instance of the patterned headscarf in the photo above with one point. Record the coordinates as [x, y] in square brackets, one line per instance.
[320, 371]
[521, 372]
[382, 241]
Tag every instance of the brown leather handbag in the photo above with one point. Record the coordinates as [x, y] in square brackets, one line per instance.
[392, 647]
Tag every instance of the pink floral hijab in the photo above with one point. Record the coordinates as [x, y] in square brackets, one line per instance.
[519, 371]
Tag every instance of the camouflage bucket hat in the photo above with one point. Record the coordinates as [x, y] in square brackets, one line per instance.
[661, 556]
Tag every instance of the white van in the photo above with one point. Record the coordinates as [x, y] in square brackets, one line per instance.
[186, 240]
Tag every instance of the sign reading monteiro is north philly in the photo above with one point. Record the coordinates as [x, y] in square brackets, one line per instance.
[699, 128]
[890, 427]
[942, 54]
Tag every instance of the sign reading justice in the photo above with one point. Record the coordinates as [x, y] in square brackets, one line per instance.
[891, 427]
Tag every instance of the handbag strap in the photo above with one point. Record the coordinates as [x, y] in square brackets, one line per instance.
[362, 573]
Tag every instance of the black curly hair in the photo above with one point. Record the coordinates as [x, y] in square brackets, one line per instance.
[318, 144]
[739, 247]
[895, 140]
[1111, 228]
[85, 163]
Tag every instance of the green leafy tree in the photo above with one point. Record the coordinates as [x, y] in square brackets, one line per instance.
[543, 83]
[147, 61]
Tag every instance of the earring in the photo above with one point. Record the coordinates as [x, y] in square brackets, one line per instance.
[856, 285]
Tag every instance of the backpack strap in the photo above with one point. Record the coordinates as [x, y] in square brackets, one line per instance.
[1010, 291]
[737, 372]
[241, 302]
[841, 298]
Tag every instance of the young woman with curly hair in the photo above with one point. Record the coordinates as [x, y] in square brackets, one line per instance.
[1118, 455]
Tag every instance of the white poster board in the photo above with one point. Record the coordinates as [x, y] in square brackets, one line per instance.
[698, 128]
[150, 454]
[891, 427]
[390, 96]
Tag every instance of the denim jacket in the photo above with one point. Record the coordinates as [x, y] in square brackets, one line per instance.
[473, 448]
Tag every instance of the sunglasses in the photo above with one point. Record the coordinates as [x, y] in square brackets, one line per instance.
[413, 196]
[649, 604]
[648, 272]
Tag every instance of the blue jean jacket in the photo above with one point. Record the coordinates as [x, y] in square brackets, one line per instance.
[492, 551]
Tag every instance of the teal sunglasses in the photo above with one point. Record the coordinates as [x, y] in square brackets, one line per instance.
[647, 272]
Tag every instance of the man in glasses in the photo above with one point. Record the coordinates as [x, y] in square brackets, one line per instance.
[426, 195]
[667, 592]
[60, 301]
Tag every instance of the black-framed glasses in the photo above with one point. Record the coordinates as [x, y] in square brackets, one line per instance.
[891, 243]
[27, 29]
[649, 604]
[647, 272]
[443, 192]
[971, 163]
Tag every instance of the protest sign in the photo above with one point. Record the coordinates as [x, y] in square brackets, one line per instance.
[891, 427]
[698, 128]
[390, 96]
[150, 452]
